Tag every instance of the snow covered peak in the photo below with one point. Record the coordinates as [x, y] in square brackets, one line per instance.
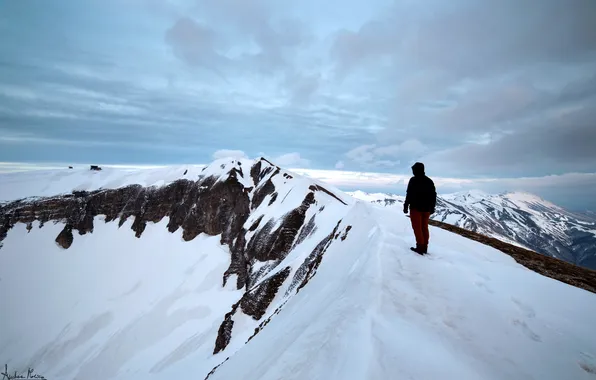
[519, 218]
[469, 196]
[524, 199]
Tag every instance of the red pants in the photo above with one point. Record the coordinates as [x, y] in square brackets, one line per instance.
[420, 226]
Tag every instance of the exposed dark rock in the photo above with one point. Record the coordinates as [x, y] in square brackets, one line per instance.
[209, 206]
[309, 228]
[275, 246]
[94, 167]
[186, 171]
[345, 235]
[261, 192]
[273, 198]
[64, 238]
[256, 301]
[256, 223]
[238, 263]
[70, 167]
[266, 321]
[321, 188]
[309, 267]
[224, 333]
[257, 172]
[215, 368]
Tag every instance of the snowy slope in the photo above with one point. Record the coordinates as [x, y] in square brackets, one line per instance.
[518, 218]
[117, 300]
[300, 290]
[378, 311]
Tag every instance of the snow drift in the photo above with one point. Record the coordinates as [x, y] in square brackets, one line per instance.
[245, 270]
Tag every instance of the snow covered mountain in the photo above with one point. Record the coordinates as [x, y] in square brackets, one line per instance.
[242, 270]
[518, 218]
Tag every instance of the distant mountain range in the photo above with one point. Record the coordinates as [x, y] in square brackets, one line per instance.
[518, 218]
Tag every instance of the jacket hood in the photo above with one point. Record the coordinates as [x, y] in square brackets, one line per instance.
[418, 169]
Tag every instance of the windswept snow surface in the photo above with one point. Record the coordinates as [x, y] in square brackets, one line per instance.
[116, 307]
[466, 311]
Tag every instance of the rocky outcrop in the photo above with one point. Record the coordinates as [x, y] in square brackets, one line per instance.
[219, 204]
[256, 301]
[64, 238]
[205, 206]
[224, 334]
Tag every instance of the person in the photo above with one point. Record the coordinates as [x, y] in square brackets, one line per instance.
[421, 198]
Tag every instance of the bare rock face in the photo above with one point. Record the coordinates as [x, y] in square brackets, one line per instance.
[64, 238]
[224, 334]
[203, 206]
[214, 205]
[256, 301]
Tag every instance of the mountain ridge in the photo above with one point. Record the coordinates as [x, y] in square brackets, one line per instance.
[246, 270]
[229, 199]
[518, 218]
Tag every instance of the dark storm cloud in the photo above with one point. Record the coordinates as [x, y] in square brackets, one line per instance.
[565, 143]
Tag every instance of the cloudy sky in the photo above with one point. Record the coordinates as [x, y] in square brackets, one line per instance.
[497, 95]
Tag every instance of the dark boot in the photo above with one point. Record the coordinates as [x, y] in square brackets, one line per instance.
[418, 249]
[424, 249]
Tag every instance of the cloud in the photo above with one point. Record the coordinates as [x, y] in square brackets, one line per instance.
[228, 153]
[243, 41]
[291, 160]
[564, 144]
[287, 160]
[301, 87]
[472, 39]
[195, 44]
[371, 155]
[339, 165]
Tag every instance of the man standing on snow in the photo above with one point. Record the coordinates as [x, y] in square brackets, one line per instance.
[421, 197]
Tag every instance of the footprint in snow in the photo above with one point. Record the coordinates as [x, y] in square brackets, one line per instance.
[587, 363]
[483, 286]
[527, 310]
[526, 330]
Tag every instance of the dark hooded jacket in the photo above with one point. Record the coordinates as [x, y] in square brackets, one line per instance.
[421, 194]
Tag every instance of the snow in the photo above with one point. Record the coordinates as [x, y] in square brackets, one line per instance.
[379, 311]
[469, 196]
[111, 302]
[453, 219]
[114, 306]
[59, 181]
[374, 197]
